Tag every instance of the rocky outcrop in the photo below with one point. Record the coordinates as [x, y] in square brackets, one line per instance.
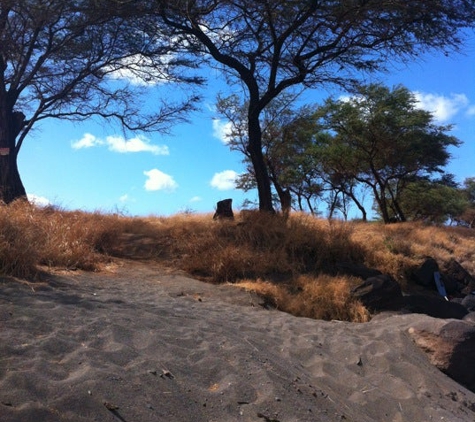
[450, 346]
[380, 292]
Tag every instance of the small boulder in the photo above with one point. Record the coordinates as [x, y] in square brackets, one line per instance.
[457, 278]
[378, 293]
[455, 271]
[424, 275]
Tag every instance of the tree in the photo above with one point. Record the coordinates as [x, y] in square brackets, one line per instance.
[383, 141]
[59, 59]
[433, 201]
[467, 216]
[271, 46]
[335, 170]
[287, 135]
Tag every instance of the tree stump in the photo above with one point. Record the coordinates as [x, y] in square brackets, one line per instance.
[224, 209]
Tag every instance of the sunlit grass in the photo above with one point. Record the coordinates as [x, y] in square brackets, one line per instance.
[292, 263]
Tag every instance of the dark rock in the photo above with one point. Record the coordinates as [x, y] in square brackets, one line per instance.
[457, 278]
[452, 287]
[450, 346]
[469, 302]
[455, 271]
[378, 293]
[356, 270]
[383, 293]
[434, 306]
[424, 275]
[224, 209]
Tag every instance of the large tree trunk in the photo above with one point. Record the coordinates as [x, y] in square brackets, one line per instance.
[284, 194]
[382, 204]
[285, 199]
[332, 206]
[260, 169]
[11, 186]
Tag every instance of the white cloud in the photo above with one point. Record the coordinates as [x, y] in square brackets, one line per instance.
[222, 130]
[40, 201]
[140, 70]
[471, 111]
[87, 141]
[137, 144]
[157, 180]
[226, 180]
[347, 98]
[196, 199]
[124, 198]
[442, 108]
[120, 144]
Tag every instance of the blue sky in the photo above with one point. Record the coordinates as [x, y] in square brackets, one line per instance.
[92, 166]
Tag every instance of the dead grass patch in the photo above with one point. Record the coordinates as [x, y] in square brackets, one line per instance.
[323, 297]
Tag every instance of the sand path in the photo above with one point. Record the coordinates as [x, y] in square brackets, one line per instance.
[138, 343]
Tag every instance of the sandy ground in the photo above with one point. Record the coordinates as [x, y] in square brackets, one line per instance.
[139, 344]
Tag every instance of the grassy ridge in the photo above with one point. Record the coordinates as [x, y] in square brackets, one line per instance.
[292, 263]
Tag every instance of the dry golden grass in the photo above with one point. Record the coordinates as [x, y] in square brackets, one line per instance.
[293, 263]
[397, 249]
[321, 297]
[31, 236]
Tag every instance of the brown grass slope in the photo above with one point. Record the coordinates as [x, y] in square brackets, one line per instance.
[293, 263]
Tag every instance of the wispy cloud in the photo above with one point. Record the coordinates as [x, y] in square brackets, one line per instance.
[222, 130]
[471, 111]
[87, 141]
[196, 199]
[225, 180]
[442, 108]
[157, 180]
[120, 144]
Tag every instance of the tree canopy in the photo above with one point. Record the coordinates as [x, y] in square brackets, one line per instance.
[271, 46]
[59, 59]
[287, 133]
[382, 140]
[376, 140]
[433, 201]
